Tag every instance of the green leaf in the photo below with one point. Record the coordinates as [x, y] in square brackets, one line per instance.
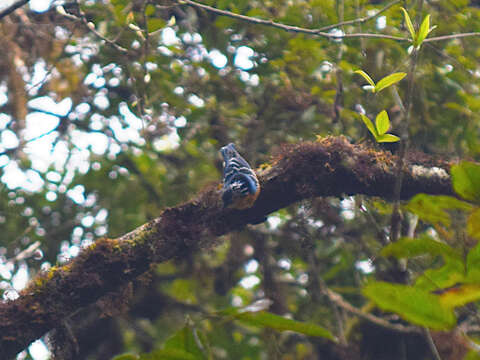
[149, 10]
[280, 323]
[473, 264]
[382, 122]
[389, 80]
[473, 224]
[460, 295]
[432, 208]
[415, 305]
[453, 272]
[182, 290]
[407, 248]
[119, 2]
[466, 180]
[155, 24]
[345, 262]
[365, 76]
[472, 354]
[126, 357]
[423, 31]
[169, 354]
[410, 27]
[387, 138]
[184, 340]
[368, 123]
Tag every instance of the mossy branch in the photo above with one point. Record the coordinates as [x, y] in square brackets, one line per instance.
[328, 167]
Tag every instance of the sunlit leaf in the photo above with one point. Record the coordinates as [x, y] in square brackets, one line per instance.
[408, 248]
[389, 80]
[366, 77]
[410, 27]
[130, 17]
[382, 122]
[417, 306]
[472, 354]
[368, 123]
[182, 290]
[473, 264]
[423, 30]
[184, 341]
[126, 357]
[433, 208]
[473, 224]
[149, 10]
[172, 21]
[170, 354]
[155, 24]
[460, 295]
[280, 323]
[387, 138]
[453, 272]
[466, 180]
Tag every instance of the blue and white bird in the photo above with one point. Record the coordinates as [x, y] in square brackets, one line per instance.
[240, 184]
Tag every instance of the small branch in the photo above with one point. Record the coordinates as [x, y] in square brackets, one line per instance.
[27, 253]
[467, 328]
[321, 31]
[12, 8]
[404, 147]
[289, 28]
[318, 287]
[90, 27]
[450, 37]
[360, 20]
[431, 344]
[337, 299]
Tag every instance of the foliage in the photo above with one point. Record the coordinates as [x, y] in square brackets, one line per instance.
[457, 278]
[423, 31]
[383, 83]
[382, 124]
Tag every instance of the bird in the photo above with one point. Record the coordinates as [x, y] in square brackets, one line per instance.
[240, 183]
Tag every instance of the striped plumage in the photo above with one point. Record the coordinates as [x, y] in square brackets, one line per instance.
[240, 184]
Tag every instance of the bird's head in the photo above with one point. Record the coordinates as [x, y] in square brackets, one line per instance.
[228, 151]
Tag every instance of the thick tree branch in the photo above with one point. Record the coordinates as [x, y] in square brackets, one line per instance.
[12, 8]
[329, 167]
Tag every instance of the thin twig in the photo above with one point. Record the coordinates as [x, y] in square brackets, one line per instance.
[321, 31]
[52, 66]
[404, 145]
[450, 37]
[143, 100]
[431, 344]
[91, 27]
[25, 254]
[360, 20]
[338, 316]
[337, 299]
[289, 28]
[12, 8]
[373, 222]
[338, 103]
